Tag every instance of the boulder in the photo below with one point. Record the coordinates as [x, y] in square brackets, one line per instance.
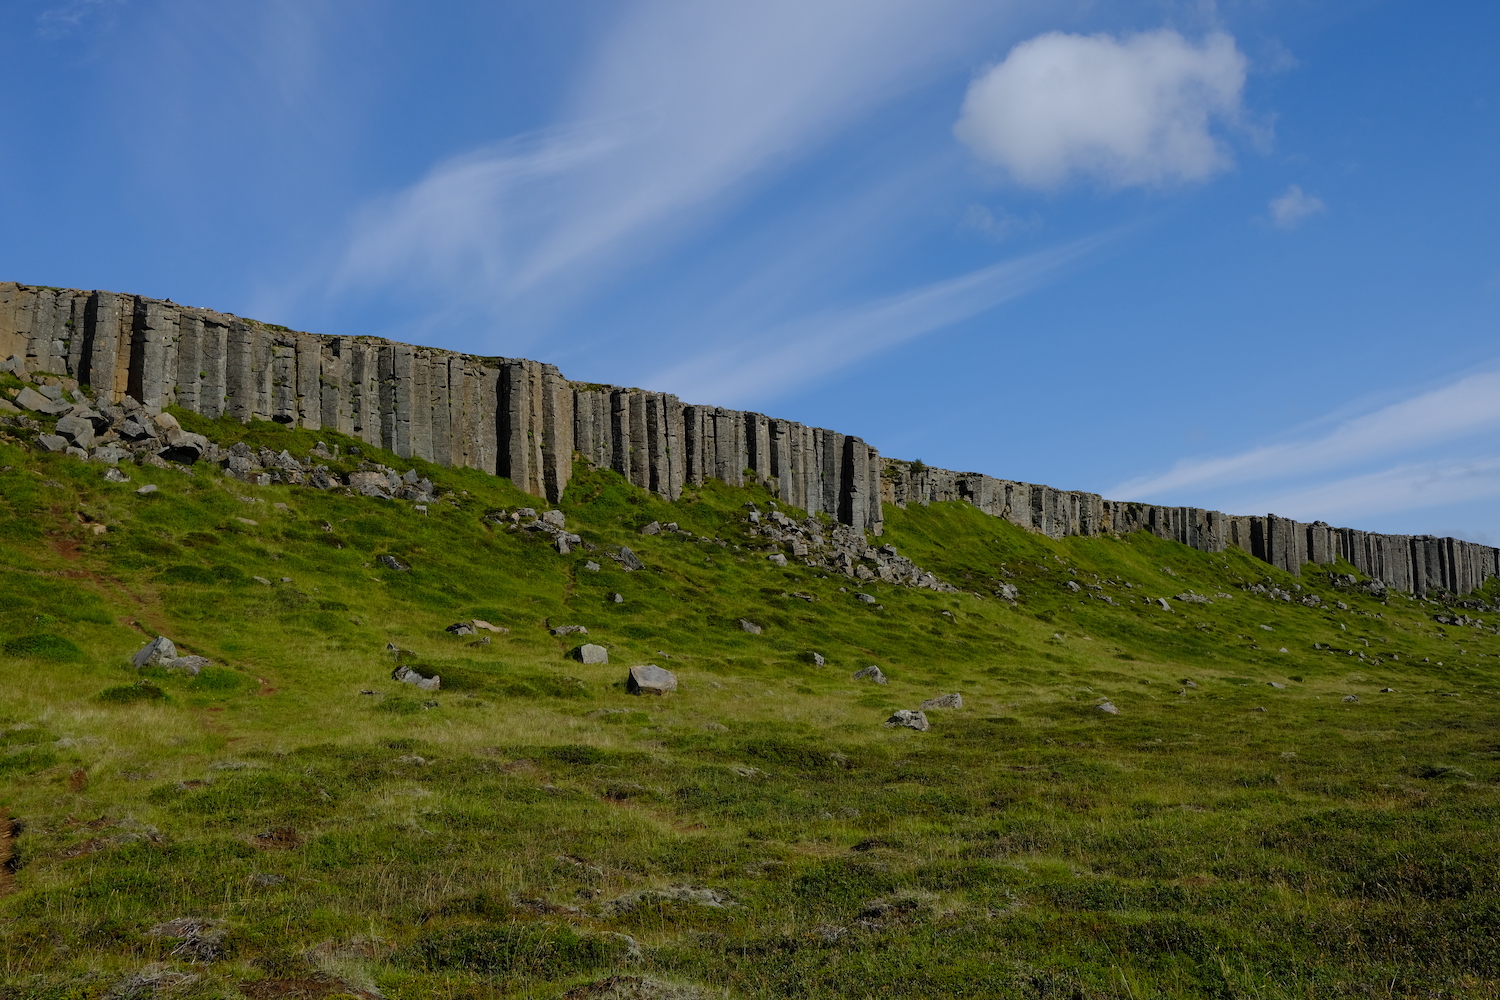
[1351, 697]
[109, 455]
[1107, 708]
[590, 653]
[617, 598]
[654, 528]
[29, 399]
[816, 659]
[480, 624]
[570, 630]
[555, 518]
[391, 562]
[407, 675]
[136, 427]
[954, 700]
[156, 653]
[564, 547]
[189, 665]
[460, 628]
[911, 720]
[114, 475]
[750, 626]
[864, 598]
[77, 429]
[650, 679]
[777, 559]
[183, 447]
[630, 560]
[591, 566]
[872, 672]
[166, 422]
[53, 442]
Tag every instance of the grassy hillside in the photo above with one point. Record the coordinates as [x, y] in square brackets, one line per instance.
[531, 827]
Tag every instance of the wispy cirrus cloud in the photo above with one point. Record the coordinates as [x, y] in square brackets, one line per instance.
[684, 107]
[762, 364]
[1350, 467]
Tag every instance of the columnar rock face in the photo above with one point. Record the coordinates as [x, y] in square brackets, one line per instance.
[510, 416]
[1418, 564]
[524, 420]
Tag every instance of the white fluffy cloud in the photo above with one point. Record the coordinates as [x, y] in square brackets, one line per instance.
[1295, 205]
[1131, 111]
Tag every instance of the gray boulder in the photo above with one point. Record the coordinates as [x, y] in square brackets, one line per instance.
[1107, 708]
[872, 672]
[52, 442]
[1008, 591]
[136, 427]
[460, 628]
[650, 679]
[184, 447]
[816, 659]
[391, 562]
[591, 566]
[750, 626]
[654, 528]
[954, 700]
[406, 675]
[630, 560]
[1351, 697]
[79, 430]
[29, 399]
[189, 665]
[570, 630]
[777, 559]
[555, 518]
[911, 720]
[114, 475]
[864, 598]
[590, 653]
[148, 488]
[156, 653]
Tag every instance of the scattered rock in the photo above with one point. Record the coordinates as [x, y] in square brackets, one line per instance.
[77, 429]
[654, 528]
[629, 560]
[955, 700]
[1164, 605]
[650, 679]
[1387, 690]
[911, 720]
[555, 518]
[190, 665]
[148, 488]
[480, 624]
[156, 653]
[1268, 628]
[617, 598]
[1009, 592]
[1279, 687]
[1351, 697]
[391, 562]
[407, 675]
[872, 672]
[570, 630]
[750, 626]
[114, 475]
[864, 598]
[1107, 708]
[777, 559]
[261, 580]
[590, 653]
[460, 628]
[816, 659]
[591, 566]
[1189, 684]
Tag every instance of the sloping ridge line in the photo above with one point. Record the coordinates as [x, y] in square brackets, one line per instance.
[523, 420]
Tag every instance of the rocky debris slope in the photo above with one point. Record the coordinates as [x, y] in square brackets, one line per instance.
[839, 548]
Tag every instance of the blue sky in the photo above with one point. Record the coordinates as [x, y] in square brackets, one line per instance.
[1243, 256]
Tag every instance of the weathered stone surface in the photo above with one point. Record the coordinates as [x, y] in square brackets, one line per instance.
[570, 630]
[955, 700]
[156, 653]
[29, 399]
[590, 653]
[650, 679]
[630, 560]
[872, 672]
[114, 475]
[407, 675]
[53, 442]
[750, 626]
[460, 628]
[391, 562]
[1107, 708]
[591, 566]
[777, 559]
[816, 659]
[77, 429]
[1351, 698]
[189, 665]
[654, 528]
[864, 598]
[905, 717]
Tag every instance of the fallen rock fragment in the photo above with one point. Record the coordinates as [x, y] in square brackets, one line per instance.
[750, 626]
[909, 719]
[156, 653]
[407, 675]
[591, 653]
[650, 679]
[571, 630]
[872, 672]
[954, 700]
[1107, 708]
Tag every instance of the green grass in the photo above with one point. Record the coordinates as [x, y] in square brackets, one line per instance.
[471, 842]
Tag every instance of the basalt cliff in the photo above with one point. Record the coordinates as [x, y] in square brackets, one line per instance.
[524, 420]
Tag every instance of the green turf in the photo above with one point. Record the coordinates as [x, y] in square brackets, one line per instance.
[503, 836]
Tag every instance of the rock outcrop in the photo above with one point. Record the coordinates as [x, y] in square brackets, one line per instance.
[522, 419]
